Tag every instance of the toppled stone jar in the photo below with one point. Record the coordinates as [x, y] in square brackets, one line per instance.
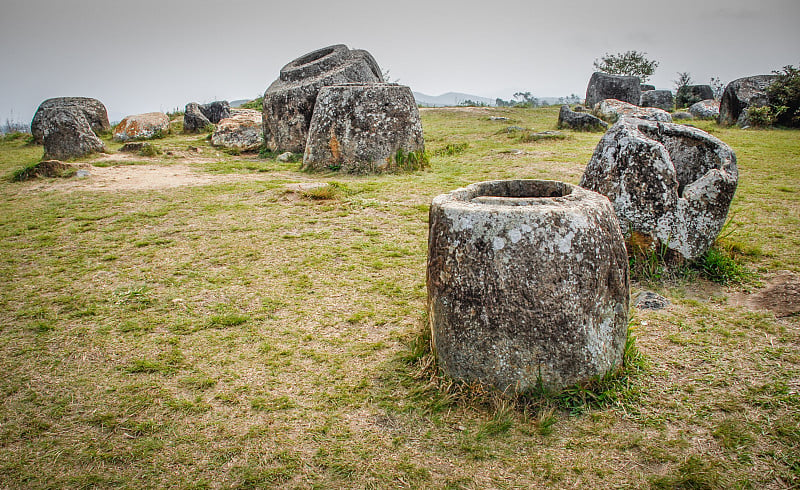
[669, 183]
[362, 129]
[527, 284]
[289, 100]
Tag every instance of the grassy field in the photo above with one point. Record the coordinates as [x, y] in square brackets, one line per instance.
[241, 335]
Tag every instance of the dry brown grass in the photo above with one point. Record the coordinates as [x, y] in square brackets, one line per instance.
[231, 335]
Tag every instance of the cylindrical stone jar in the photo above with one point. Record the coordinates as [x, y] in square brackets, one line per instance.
[361, 128]
[527, 284]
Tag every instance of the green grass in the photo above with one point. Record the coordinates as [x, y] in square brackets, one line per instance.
[236, 335]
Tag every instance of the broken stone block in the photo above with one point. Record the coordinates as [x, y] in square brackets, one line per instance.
[364, 129]
[527, 284]
[669, 182]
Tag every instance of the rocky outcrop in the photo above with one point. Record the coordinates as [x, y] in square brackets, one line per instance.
[604, 86]
[690, 94]
[142, 126]
[289, 101]
[67, 134]
[579, 121]
[197, 117]
[705, 109]
[193, 118]
[612, 109]
[527, 284]
[91, 109]
[741, 94]
[241, 131]
[364, 129]
[216, 111]
[661, 99]
[670, 183]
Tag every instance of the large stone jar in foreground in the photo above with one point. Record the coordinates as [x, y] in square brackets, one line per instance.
[289, 100]
[362, 129]
[669, 183]
[527, 282]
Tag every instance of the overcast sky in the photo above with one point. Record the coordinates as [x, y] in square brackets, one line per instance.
[156, 55]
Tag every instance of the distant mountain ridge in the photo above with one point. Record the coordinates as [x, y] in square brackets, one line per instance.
[449, 99]
[457, 98]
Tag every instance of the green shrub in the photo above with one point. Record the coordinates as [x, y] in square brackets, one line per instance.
[256, 104]
[761, 117]
[784, 96]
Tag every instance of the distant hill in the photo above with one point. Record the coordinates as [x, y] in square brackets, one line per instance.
[237, 103]
[457, 98]
[448, 99]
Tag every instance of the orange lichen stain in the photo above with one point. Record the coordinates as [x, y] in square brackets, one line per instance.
[333, 144]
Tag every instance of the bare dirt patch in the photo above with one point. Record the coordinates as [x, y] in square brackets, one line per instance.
[780, 295]
[141, 177]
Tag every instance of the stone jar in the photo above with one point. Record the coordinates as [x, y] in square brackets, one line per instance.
[362, 129]
[527, 284]
[289, 100]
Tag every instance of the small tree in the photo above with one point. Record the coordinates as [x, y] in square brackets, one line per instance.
[526, 99]
[717, 86]
[629, 63]
[682, 97]
[784, 96]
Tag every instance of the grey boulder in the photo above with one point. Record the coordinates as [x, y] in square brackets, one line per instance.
[67, 134]
[661, 99]
[705, 109]
[689, 94]
[92, 110]
[669, 183]
[741, 94]
[604, 86]
[193, 118]
[579, 121]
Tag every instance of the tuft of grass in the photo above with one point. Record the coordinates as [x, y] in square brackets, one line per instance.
[452, 149]
[718, 266]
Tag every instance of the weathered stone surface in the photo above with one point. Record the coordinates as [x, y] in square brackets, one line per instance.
[645, 87]
[661, 99]
[741, 94]
[689, 94]
[527, 281]
[142, 126]
[285, 157]
[362, 128]
[193, 118]
[289, 101]
[67, 134]
[92, 110]
[681, 116]
[705, 109]
[669, 182]
[216, 111]
[612, 109]
[579, 121]
[241, 131]
[604, 86]
[648, 300]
